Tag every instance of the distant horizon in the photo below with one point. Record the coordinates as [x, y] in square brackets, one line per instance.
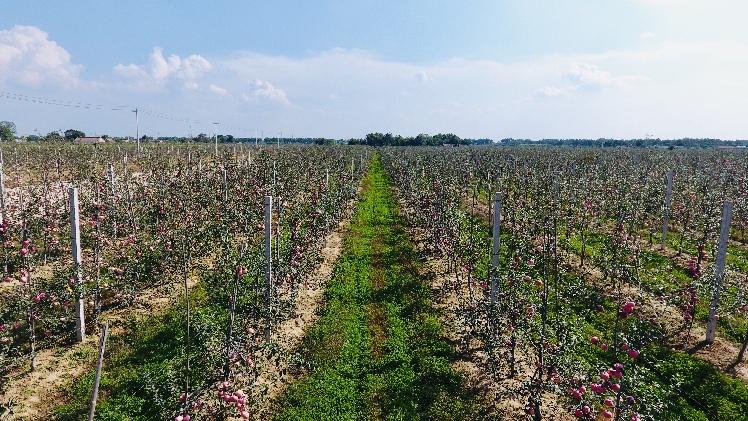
[296, 137]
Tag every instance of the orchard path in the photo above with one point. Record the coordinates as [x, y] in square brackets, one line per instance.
[275, 376]
[378, 350]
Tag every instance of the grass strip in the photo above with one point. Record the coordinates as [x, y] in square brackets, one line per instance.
[378, 351]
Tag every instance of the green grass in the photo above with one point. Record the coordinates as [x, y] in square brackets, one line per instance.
[737, 255]
[668, 384]
[660, 275]
[143, 369]
[677, 385]
[706, 389]
[378, 349]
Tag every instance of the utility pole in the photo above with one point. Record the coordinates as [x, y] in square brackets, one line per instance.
[137, 129]
[215, 135]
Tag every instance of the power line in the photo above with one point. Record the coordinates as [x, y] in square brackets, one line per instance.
[79, 105]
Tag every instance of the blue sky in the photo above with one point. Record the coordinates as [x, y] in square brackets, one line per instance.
[479, 68]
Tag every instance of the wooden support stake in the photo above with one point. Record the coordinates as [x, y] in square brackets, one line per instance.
[75, 242]
[496, 244]
[274, 177]
[719, 269]
[97, 379]
[666, 206]
[224, 177]
[268, 263]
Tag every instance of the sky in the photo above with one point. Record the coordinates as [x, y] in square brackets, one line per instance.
[340, 68]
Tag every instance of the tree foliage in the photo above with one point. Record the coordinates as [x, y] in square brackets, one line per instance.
[628, 143]
[53, 137]
[7, 131]
[72, 134]
[379, 139]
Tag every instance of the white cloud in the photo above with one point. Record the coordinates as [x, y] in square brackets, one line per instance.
[263, 90]
[666, 3]
[160, 70]
[589, 75]
[218, 90]
[374, 93]
[554, 91]
[131, 71]
[665, 88]
[29, 57]
[647, 35]
[423, 76]
[584, 77]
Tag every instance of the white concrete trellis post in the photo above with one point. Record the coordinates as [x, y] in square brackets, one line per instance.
[719, 269]
[274, 176]
[224, 178]
[268, 262]
[111, 174]
[327, 195]
[215, 135]
[496, 244]
[75, 242]
[666, 205]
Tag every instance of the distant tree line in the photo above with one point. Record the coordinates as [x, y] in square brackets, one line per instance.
[227, 138]
[628, 143]
[8, 134]
[204, 138]
[379, 139]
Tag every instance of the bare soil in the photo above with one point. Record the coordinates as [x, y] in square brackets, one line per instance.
[497, 392]
[274, 377]
[722, 354]
[36, 393]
